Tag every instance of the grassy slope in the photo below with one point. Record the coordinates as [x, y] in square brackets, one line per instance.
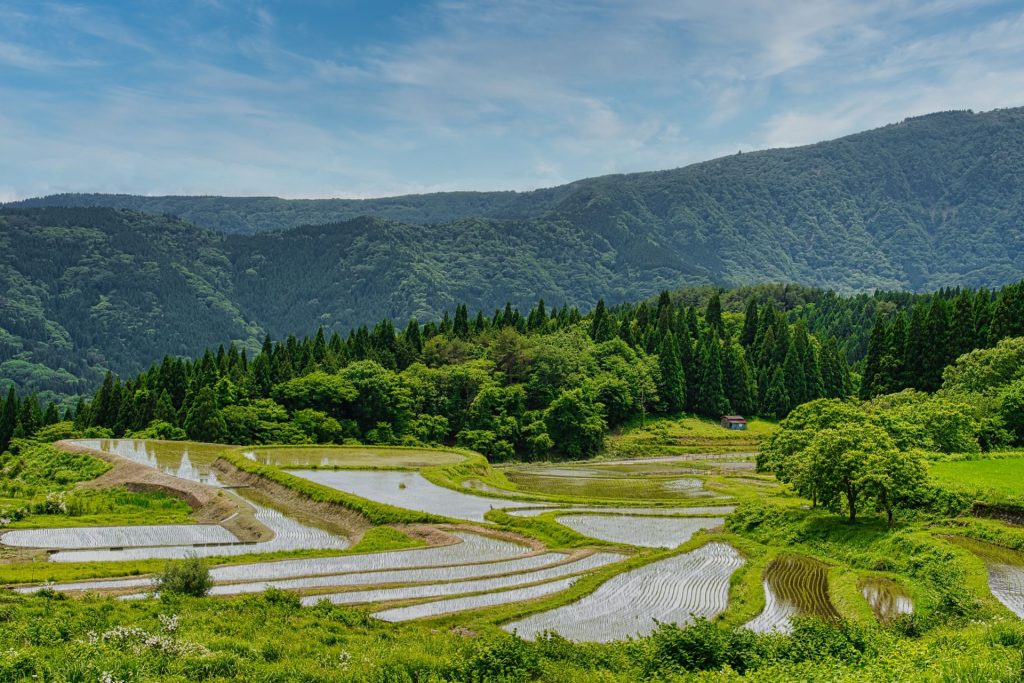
[994, 481]
[682, 436]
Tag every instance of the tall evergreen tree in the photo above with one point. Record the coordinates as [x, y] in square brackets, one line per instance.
[750, 324]
[713, 315]
[8, 419]
[204, 421]
[672, 387]
[738, 380]
[776, 400]
[877, 347]
[710, 395]
[602, 327]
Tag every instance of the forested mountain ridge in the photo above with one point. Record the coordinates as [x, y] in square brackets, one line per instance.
[86, 291]
[933, 201]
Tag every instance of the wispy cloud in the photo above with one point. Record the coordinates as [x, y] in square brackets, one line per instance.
[316, 99]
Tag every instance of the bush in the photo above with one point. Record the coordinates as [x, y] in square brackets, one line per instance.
[190, 576]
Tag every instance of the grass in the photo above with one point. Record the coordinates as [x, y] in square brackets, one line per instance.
[685, 435]
[109, 507]
[993, 481]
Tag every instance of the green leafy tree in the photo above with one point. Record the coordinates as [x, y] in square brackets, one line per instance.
[575, 424]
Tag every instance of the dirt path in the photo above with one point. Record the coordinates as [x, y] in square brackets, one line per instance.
[210, 504]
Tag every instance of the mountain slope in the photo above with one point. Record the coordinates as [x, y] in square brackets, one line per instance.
[935, 200]
[83, 291]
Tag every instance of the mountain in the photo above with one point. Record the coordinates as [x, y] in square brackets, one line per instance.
[931, 202]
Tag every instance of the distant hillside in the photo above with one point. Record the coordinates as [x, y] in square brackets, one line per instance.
[933, 201]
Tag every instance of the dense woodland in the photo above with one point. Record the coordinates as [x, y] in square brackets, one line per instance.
[515, 384]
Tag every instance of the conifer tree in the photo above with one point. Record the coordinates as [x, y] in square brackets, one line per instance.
[8, 419]
[750, 324]
[672, 387]
[713, 315]
[460, 328]
[204, 421]
[738, 380]
[711, 400]
[776, 400]
[164, 409]
[602, 327]
[877, 347]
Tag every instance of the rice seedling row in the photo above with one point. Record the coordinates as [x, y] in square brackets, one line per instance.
[470, 602]
[794, 585]
[118, 536]
[471, 550]
[673, 590]
[496, 583]
[887, 598]
[395, 576]
[650, 532]
[409, 490]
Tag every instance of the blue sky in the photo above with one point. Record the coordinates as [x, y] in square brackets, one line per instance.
[356, 99]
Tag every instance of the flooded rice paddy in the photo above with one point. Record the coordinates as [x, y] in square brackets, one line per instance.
[669, 591]
[289, 534]
[650, 532]
[409, 490]
[350, 456]
[887, 598]
[794, 586]
[469, 602]
[189, 461]
[495, 583]
[118, 536]
[1005, 571]
[642, 511]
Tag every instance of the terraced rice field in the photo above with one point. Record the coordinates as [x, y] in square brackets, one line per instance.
[321, 456]
[409, 490]
[289, 534]
[471, 550]
[182, 459]
[887, 598]
[1005, 572]
[650, 532]
[470, 602]
[397, 576]
[654, 512]
[118, 536]
[627, 605]
[794, 585]
[496, 583]
[587, 483]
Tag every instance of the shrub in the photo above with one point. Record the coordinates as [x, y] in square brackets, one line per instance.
[190, 576]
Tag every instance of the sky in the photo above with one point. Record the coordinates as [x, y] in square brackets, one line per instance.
[345, 98]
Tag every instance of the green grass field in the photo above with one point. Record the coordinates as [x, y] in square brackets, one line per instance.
[993, 481]
[682, 436]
